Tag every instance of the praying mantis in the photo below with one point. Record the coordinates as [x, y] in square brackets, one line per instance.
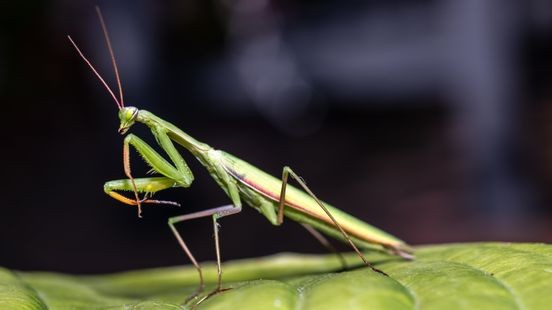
[242, 182]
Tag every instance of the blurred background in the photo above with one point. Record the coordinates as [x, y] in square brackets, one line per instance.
[431, 119]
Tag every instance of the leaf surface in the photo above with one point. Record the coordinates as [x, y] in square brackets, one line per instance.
[453, 276]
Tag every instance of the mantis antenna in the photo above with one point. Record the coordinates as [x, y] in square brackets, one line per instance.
[112, 54]
[95, 72]
[120, 103]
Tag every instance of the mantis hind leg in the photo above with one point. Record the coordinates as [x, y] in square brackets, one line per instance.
[285, 175]
[215, 213]
[327, 244]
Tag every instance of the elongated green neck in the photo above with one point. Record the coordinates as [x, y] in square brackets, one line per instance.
[156, 123]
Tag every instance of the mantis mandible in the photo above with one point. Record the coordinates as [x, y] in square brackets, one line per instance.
[241, 181]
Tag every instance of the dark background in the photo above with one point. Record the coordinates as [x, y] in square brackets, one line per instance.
[429, 119]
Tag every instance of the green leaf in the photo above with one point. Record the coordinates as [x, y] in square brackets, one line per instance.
[457, 276]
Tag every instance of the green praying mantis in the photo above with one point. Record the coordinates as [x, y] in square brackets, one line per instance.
[241, 181]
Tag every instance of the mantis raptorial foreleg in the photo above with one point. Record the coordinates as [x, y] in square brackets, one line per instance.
[142, 185]
[285, 174]
[180, 174]
[128, 173]
[216, 213]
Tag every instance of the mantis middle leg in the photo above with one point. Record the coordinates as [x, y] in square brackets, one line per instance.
[216, 213]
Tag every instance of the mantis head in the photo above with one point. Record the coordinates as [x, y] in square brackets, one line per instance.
[127, 115]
